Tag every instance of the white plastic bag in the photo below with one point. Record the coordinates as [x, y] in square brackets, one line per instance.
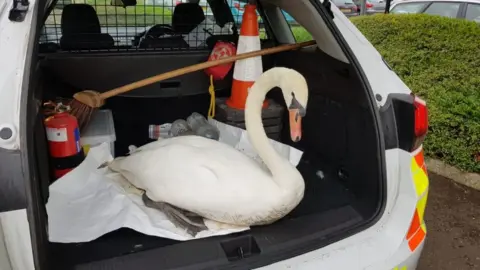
[89, 202]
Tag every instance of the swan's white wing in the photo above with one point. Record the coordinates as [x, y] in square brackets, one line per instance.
[196, 174]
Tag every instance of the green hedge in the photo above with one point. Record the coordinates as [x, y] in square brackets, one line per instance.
[439, 59]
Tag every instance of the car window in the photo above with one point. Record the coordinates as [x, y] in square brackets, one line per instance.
[298, 31]
[408, 8]
[130, 26]
[443, 9]
[473, 12]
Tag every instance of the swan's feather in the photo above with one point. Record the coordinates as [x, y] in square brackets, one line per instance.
[188, 221]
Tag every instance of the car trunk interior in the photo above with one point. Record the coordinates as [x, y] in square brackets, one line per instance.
[340, 163]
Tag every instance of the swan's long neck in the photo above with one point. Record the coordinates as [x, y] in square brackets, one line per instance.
[256, 132]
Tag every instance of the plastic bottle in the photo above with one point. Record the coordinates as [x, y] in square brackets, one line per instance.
[179, 128]
[200, 126]
[159, 131]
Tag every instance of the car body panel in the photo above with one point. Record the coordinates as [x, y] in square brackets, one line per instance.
[12, 40]
[4, 257]
[380, 247]
[15, 232]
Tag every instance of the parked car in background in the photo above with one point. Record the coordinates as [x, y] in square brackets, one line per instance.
[347, 7]
[373, 6]
[460, 9]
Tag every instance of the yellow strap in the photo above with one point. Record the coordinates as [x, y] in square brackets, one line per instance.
[211, 90]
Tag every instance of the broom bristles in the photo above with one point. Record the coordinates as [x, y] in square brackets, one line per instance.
[82, 112]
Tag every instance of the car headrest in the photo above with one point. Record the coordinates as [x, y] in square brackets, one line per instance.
[187, 16]
[79, 19]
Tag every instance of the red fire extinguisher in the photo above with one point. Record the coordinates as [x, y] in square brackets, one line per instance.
[63, 136]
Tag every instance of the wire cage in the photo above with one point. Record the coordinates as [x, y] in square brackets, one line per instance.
[106, 25]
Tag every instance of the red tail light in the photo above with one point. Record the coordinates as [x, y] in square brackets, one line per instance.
[369, 5]
[421, 121]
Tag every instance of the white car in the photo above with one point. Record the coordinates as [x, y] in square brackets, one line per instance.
[366, 181]
[460, 9]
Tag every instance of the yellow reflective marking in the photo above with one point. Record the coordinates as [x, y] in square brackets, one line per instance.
[422, 202]
[414, 166]
[424, 227]
[420, 179]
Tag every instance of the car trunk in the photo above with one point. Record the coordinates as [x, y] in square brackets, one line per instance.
[341, 164]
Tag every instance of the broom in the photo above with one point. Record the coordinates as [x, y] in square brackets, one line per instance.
[84, 103]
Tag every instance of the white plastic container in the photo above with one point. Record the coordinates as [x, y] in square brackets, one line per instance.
[100, 130]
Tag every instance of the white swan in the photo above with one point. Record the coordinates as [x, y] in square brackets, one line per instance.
[191, 175]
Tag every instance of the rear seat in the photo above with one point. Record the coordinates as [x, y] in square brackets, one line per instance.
[186, 16]
[81, 29]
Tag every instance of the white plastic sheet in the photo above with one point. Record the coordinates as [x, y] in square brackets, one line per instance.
[89, 202]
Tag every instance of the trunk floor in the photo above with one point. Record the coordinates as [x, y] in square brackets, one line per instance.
[321, 194]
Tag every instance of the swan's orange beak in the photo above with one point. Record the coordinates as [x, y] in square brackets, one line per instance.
[295, 124]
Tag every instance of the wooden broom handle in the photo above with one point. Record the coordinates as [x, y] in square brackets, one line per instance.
[204, 65]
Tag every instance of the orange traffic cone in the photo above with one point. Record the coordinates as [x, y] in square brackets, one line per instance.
[246, 71]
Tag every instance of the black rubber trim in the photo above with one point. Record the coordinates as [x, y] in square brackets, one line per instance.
[29, 108]
[12, 184]
[328, 7]
[398, 121]
[386, 63]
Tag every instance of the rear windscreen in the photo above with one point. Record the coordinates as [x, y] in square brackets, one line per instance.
[90, 25]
